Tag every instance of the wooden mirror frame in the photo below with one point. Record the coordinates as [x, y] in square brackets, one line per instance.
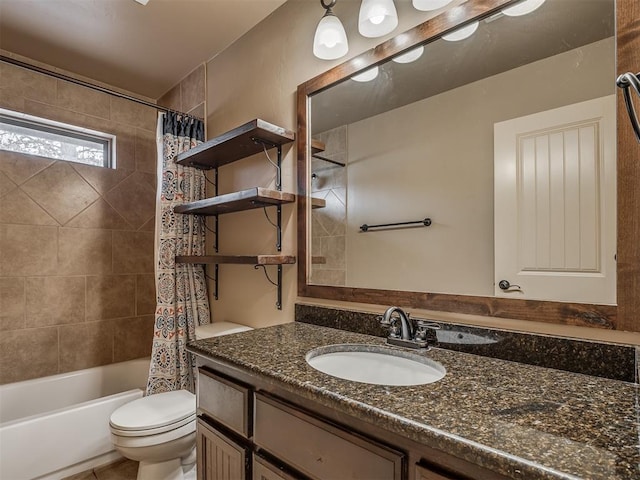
[624, 316]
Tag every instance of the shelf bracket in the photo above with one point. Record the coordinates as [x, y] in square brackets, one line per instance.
[277, 225]
[277, 284]
[214, 279]
[277, 164]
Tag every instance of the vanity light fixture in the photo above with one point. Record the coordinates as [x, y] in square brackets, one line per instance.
[377, 18]
[428, 5]
[461, 33]
[410, 56]
[522, 8]
[330, 41]
[367, 75]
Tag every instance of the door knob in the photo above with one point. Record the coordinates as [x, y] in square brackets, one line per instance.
[507, 287]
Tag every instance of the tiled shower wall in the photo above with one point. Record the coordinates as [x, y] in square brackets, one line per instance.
[328, 227]
[188, 95]
[76, 241]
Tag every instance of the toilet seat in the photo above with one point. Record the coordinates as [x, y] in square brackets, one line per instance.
[155, 414]
[139, 441]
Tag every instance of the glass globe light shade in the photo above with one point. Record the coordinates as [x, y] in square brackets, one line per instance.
[461, 33]
[377, 18]
[427, 5]
[410, 56]
[367, 75]
[330, 41]
[522, 8]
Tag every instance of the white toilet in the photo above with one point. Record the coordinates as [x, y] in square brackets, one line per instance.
[159, 431]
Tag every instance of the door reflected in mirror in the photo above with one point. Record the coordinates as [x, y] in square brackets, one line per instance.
[504, 139]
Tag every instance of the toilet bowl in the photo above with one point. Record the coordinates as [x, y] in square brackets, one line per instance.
[159, 431]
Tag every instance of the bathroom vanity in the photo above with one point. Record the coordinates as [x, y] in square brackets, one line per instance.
[264, 412]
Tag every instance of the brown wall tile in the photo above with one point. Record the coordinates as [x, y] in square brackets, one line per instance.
[54, 300]
[12, 303]
[83, 100]
[145, 294]
[17, 354]
[134, 199]
[9, 101]
[19, 167]
[172, 99]
[125, 147]
[197, 112]
[83, 251]
[134, 114]
[60, 191]
[6, 184]
[20, 82]
[18, 208]
[28, 250]
[111, 296]
[133, 252]
[58, 274]
[193, 90]
[132, 338]
[85, 345]
[101, 179]
[146, 151]
[99, 215]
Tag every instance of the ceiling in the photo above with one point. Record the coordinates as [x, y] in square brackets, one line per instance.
[143, 49]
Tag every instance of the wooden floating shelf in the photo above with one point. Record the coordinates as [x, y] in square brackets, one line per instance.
[318, 202]
[317, 146]
[256, 197]
[238, 259]
[239, 143]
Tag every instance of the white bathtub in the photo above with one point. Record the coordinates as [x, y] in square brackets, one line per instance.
[57, 426]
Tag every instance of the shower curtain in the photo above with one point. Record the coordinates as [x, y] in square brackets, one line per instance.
[181, 294]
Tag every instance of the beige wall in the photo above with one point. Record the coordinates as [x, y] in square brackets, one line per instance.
[257, 76]
[76, 241]
[435, 158]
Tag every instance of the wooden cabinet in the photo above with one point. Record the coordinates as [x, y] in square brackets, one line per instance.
[249, 139]
[219, 457]
[250, 429]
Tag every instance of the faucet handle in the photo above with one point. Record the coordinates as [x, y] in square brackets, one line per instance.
[421, 329]
[423, 324]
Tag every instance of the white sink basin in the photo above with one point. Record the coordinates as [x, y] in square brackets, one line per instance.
[375, 364]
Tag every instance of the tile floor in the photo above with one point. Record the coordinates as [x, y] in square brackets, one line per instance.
[120, 470]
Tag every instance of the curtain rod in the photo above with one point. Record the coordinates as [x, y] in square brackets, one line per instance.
[67, 78]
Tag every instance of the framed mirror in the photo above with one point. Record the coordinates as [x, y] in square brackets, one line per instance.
[475, 175]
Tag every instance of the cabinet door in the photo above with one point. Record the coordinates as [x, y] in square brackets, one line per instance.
[219, 458]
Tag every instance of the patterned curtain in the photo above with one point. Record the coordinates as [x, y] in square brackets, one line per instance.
[181, 294]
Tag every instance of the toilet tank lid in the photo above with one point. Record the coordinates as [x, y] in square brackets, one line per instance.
[219, 328]
[154, 411]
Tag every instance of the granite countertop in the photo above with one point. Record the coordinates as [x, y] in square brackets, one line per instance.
[522, 421]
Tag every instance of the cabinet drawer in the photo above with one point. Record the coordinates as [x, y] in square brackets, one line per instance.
[318, 449]
[225, 401]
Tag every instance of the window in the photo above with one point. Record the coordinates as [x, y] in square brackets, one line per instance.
[36, 136]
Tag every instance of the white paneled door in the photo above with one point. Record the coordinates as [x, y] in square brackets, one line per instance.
[555, 204]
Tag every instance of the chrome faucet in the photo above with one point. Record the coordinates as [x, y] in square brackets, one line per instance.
[407, 334]
[406, 327]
